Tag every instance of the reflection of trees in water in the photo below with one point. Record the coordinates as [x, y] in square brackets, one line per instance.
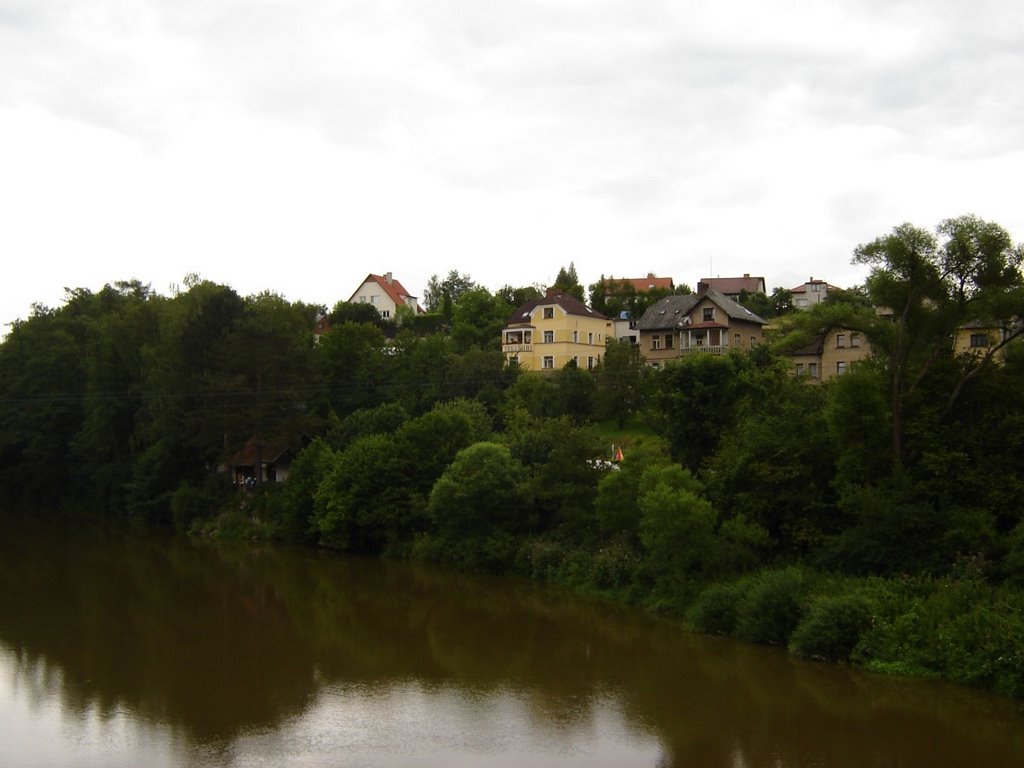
[216, 641]
[163, 630]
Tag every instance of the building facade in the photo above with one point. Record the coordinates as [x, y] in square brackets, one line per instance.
[555, 331]
[707, 322]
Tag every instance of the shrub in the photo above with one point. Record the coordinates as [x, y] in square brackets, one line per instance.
[832, 628]
[716, 610]
[772, 607]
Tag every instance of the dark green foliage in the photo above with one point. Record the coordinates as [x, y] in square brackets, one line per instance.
[477, 508]
[381, 420]
[773, 606]
[291, 517]
[354, 312]
[832, 627]
[620, 382]
[477, 320]
[694, 400]
[775, 464]
[716, 610]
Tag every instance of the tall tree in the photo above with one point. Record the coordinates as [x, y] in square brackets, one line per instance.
[440, 291]
[569, 282]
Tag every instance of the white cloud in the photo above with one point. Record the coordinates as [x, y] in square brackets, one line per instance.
[297, 146]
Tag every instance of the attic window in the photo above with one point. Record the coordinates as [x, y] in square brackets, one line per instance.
[549, 313]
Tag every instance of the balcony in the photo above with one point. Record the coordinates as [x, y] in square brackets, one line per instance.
[517, 348]
[718, 350]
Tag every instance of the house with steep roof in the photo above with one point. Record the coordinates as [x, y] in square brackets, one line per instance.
[733, 287]
[386, 294]
[554, 331]
[810, 293]
[707, 322]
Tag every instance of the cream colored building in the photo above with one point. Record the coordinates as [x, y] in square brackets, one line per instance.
[833, 353]
[704, 323]
[810, 293]
[554, 331]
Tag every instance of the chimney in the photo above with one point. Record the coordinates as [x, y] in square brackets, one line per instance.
[746, 274]
[387, 276]
[553, 292]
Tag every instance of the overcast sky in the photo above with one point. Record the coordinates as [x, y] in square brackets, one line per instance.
[296, 146]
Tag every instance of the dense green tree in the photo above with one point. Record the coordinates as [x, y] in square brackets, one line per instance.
[775, 464]
[611, 297]
[568, 282]
[477, 320]
[620, 382]
[449, 289]
[694, 401]
[516, 297]
[477, 508]
[354, 312]
[352, 366]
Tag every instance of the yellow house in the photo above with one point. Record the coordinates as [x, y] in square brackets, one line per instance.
[705, 323]
[977, 338]
[833, 353]
[553, 331]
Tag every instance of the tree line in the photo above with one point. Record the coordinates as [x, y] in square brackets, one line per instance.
[741, 485]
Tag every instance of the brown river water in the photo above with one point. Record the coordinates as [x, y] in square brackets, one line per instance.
[140, 649]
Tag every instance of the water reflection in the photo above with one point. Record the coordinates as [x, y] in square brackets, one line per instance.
[210, 655]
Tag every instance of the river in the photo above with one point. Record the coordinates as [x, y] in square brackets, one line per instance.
[143, 649]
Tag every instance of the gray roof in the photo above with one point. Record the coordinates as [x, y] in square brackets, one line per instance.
[668, 312]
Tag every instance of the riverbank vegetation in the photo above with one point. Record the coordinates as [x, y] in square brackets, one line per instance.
[876, 518]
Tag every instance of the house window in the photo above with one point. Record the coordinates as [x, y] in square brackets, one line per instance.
[549, 361]
[549, 313]
[576, 361]
[362, 299]
[374, 299]
[549, 337]
[812, 370]
[668, 341]
[709, 314]
[854, 339]
[816, 287]
[753, 341]
[840, 340]
[979, 340]
[800, 303]
[737, 340]
[590, 338]
[655, 342]
[385, 313]
[799, 369]
[590, 363]
[575, 337]
[840, 368]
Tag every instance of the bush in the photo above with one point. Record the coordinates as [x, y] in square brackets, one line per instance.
[772, 607]
[716, 610]
[832, 628]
